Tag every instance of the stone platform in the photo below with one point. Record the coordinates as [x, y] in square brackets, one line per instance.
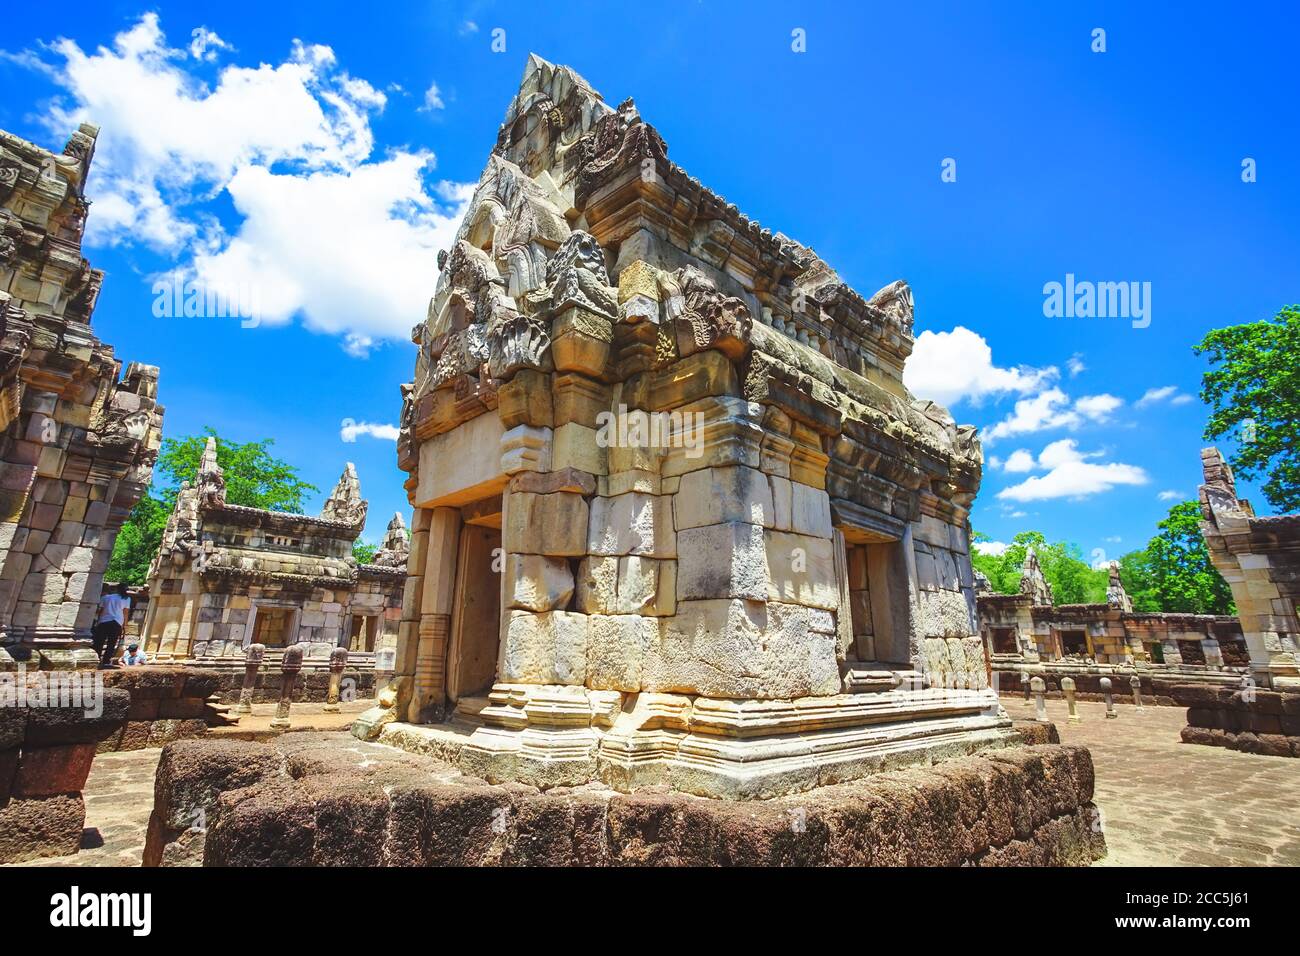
[1256, 721]
[331, 800]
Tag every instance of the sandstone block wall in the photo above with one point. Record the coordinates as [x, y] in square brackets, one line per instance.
[46, 754]
[167, 703]
[78, 440]
[1256, 721]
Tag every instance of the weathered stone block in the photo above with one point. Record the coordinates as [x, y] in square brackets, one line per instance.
[632, 523]
[554, 524]
[722, 561]
[45, 771]
[538, 583]
[548, 648]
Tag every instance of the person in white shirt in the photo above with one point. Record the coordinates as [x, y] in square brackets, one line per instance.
[110, 619]
[134, 655]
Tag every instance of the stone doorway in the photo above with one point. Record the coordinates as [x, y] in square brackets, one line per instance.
[274, 625]
[1156, 651]
[476, 615]
[878, 598]
[1004, 641]
[1074, 643]
[362, 632]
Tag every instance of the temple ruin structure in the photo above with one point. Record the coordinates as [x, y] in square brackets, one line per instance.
[1259, 557]
[228, 575]
[676, 517]
[79, 438]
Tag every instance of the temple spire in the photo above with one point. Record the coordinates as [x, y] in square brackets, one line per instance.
[345, 502]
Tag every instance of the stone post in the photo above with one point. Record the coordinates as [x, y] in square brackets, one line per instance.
[1067, 688]
[1135, 683]
[289, 669]
[1040, 699]
[338, 661]
[253, 655]
[1110, 698]
[435, 616]
[1025, 683]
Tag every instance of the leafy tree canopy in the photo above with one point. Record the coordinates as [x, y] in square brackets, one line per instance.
[1254, 394]
[1072, 581]
[1174, 572]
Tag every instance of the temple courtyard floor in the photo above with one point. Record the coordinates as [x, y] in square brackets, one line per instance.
[1163, 802]
[1167, 803]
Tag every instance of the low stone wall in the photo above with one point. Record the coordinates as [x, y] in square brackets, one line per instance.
[316, 799]
[311, 687]
[1265, 722]
[1156, 688]
[167, 703]
[45, 756]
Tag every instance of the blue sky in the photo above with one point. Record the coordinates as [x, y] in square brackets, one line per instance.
[319, 155]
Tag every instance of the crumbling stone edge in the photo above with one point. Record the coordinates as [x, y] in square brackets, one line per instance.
[313, 799]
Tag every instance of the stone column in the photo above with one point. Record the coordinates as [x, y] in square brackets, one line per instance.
[1040, 698]
[253, 655]
[289, 669]
[1135, 683]
[338, 661]
[1213, 656]
[1110, 698]
[436, 595]
[1067, 688]
[1026, 683]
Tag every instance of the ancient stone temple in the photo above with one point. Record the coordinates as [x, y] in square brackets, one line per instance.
[1260, 560]
[1026, 634]
[677, 519]
[79, 438]
[227, 575]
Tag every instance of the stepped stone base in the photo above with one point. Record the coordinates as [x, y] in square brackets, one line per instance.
[330, 800]
[557, 736]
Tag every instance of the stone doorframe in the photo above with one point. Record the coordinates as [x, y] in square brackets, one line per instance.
[290, 630]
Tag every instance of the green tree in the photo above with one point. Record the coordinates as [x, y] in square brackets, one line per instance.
[137, 541]
[1254, 394]
[253, 478]
[1175, 573]
[364, 553]
[1072, 581]
[1139, 580]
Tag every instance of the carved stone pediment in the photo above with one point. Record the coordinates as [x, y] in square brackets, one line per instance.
[702, 317]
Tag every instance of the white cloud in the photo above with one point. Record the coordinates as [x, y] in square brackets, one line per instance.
[948, 367]
[323, 244]
[1072, 475]
[468, 27]
[432, 98]
[349, 430]
[1020, 460]
[1167, 393]
[1097, 407]
[994, 461]
[1113, 539]
[1171, 496]
[326, 232]
[994, 548]
[1049, 409]
[1074, 365]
